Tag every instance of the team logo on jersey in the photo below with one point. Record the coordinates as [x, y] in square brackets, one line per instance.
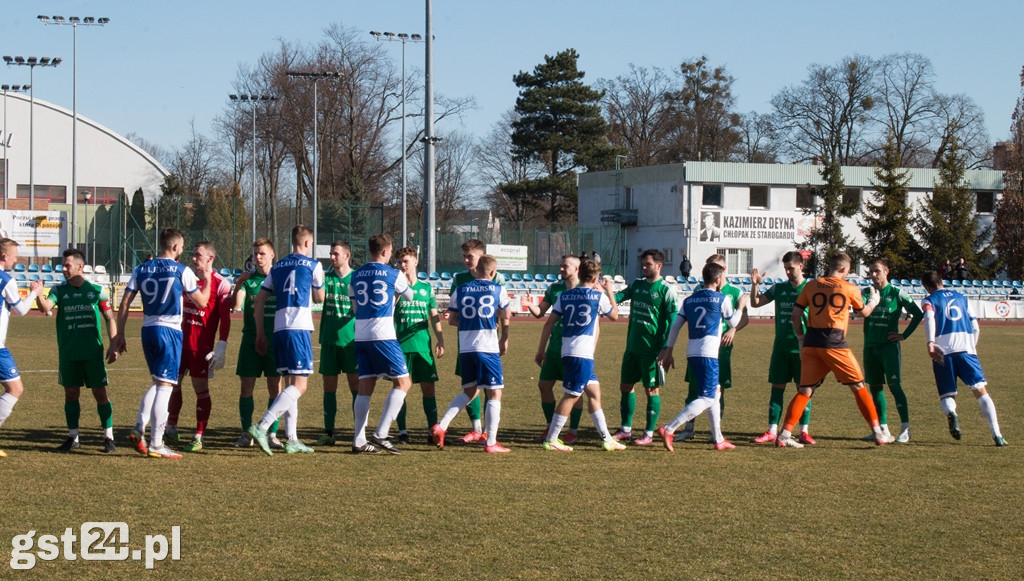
[423, 293]
[91, 296]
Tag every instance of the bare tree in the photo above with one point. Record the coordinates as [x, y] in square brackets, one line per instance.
[639, 114]
[497, 167]
[959, 115]
[704, 124]
[758, 139]
[194, 163]
[909, 104]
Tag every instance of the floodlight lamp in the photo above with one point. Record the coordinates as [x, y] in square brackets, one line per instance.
[23, 87]
[88, 20]
[417, 37]
[390, 35]
[33, 60]
[74, 19]
[58, 19]
[403, 35]
[5, 88]
[375, 34]
[44, 61]
[8, 59]
[43, 18]
[57, 61]
[103, 20]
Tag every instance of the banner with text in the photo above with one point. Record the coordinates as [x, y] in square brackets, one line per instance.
[509, 257]
[746, 226]
[40, 234]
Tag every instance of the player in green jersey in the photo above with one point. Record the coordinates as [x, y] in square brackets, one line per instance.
[549, 357]
[472, 250]
[252, 365]
[337, 336]
[413, 321]
[80, 306]
[882, 346]
[724, 353]
[784, 366]
[653, 307]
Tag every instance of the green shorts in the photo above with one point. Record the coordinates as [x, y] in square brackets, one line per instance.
[91, 373]
[338, 359]
[784, 366]
[724, 370]
[553, 369]
[251, 363]
[882, 364]
[639, 367]
[421, 367]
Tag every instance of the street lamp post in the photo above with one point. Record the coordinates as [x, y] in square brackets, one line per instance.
[74, 21]
[88, 196]
[254, 99]
[315, 76]
[404, 38]
[32, 62]
[7, 138]
[429, 199]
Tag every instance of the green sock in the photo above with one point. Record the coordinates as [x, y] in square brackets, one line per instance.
[901, 401]
[775, 403]
[400, 420]
[106, 411]
[805, 418]
[72, 413]
[549, 411]
[627, 405]
[330, 410]
[878, 395]
[653, 411]
[574, 418]
[246, 406]
[473, 409]
[277, 422]
[430, 408]
[721, 405]
[355, 394]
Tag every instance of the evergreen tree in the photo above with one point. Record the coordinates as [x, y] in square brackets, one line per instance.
[138, 209]
[559, 125]
[886, 221]
[1009, 224]
[947, 224]
[829, 209]
[171, 208]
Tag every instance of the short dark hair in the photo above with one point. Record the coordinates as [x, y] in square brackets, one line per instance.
[793, 256]
[655, 255]
[378, 243]
[342, 244]
[711, 272]
[931, 279]
[716, 258]
[168, 236]
[589, 270]
[263, 242]
[207, 245]
[838, 259]
[301, 232]
[881, 260]
[406, 251]
[74, 253]
[472, 244]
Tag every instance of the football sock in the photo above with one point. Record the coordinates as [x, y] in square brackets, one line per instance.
[866, 407]
[174, 407]
[400, 418]
[145, 409]
[805, 418]
[430, 409]
[549, 411]
[600, 424]
[330, 410]
[881, 406]
[690, 424]
[203, 406]
[796, 407]
[282, 403]
[715, 421]
[361, 416]
[988, 410]
[7, 402]
[277, 422]
[73, 433]
[947, 405]
[627, 405]
[555, 427]
[106, 412]
[291, 421]
[158, 416]
[901, 402]
[775, 402]
[575, 414]
[689, 412]
[246, 406]
[458, 402]
[721, 402]
[492, 417]
[392, 405]
[473, 409]
[478, 425]
[355, 394]
[72, 413]
[653, 411]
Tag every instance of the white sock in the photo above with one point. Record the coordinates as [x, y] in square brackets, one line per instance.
[715, 420]
[458, 403]
[145, 409]
[774, 428]
[988, 410]
[291, 422]
[478, 425]
[491, 418]
[108, 433]
[7, 402]
[361, 416]
[802, 427]
[392, 405]
[159, 416]
[282, 403]
[557, 423]
[689, 412]
[601, 425]
[947, 405]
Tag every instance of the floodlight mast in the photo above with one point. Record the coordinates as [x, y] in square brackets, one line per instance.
[32, 62]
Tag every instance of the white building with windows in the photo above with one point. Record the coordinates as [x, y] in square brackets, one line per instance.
[751, 213]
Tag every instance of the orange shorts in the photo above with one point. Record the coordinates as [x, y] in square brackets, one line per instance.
[817, 362]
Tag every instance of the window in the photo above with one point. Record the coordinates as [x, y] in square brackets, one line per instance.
[805, 198]
[738, 261]
[851, 197]
[985, 203]
[100, 195]
[668, 256]
[712, 195]
[758, 196]
[56, 194]
[629, 198]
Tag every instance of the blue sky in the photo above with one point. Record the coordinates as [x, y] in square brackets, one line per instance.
[159, 65]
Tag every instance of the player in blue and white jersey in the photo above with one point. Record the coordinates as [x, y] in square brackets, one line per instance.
[12, 302]
[475, 308]
[951, 330]
[163, 282]
[373, 289]
[296, 281]
[579, 309]
[702, 312]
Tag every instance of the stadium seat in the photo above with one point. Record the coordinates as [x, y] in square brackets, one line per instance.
[236, 272]
[747, 281]
[551, 278]
[421, 275]
[19, 267]
[986, 283]
[46, 268]
[446, 275]
[955, 283]
[20, 277]
[48, 277]
[435, 276]
[33, 276]
[619, 279]
[904, 282]
[100, 269]
[516, 277]
[528, 277]
[692, 280]
[33, 268]
[671, 279]
[225, 272]
[976, 282]
[915, 282]
[87, 269]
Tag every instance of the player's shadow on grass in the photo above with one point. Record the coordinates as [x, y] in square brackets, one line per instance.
[47, 439]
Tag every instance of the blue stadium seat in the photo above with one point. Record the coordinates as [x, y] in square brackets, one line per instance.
[20, 277]
[33, 276]
[48, 277]
[435, 276]
[528, 277]
[33, 268]
[517, 277]
[47, 268]
[915, 282]
[225, 272]
[955, 283]
[421, 275]
[550, 278]
[1016, 284]
[747, 281]
[446, 276]
[976, 282]
[904, 282]
[236, 272]
[19, 267]
[986, 283]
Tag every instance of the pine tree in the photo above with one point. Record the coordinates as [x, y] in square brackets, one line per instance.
[828, 237]
[947, 224]
[1009, 224]
[886, 221]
